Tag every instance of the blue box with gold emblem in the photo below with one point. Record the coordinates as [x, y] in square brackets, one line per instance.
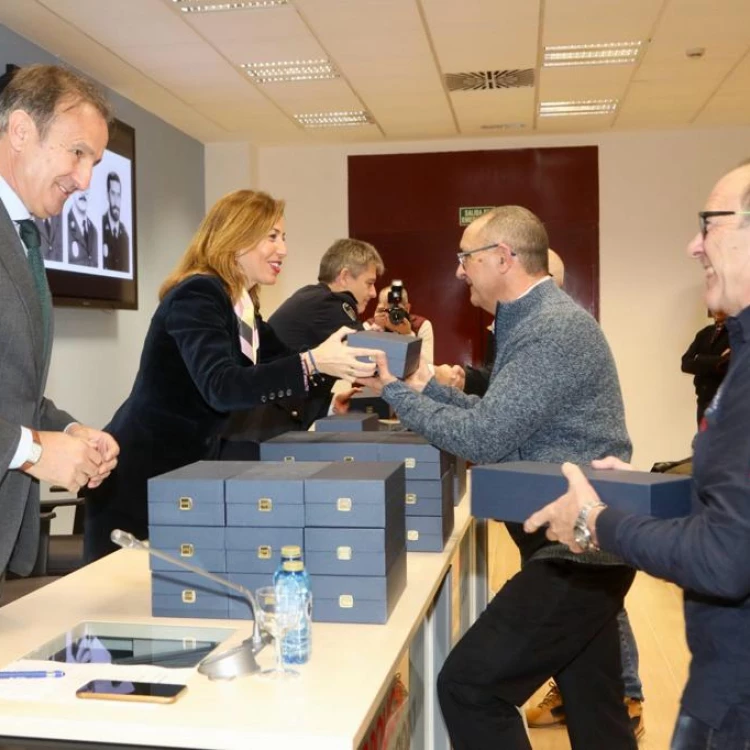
[428, 533]
[187, 595]
[192, 495]
[430, 497]
[257, 549]
[513, 491]
[356, 495]
[403, 352]
[270, 493]
[358, 599]
[201, 546]
[352, 552]
[368, 401]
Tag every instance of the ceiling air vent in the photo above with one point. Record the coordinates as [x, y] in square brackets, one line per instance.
[490, 79]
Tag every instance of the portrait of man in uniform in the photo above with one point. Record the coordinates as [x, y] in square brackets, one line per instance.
[83, 249]
[115, 241]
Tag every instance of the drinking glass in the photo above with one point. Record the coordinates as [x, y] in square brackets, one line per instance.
[278, 614]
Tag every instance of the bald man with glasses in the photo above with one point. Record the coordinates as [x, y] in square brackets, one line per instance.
[553, 392]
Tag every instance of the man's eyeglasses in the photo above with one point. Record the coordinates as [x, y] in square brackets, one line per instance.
[464, 254]
[704, 216]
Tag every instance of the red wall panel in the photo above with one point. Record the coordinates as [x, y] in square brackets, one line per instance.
[407, 205]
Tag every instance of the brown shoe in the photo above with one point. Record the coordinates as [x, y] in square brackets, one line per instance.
[635, 712]
[549, 713]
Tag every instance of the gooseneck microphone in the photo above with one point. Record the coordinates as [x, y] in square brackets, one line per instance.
[232, 662]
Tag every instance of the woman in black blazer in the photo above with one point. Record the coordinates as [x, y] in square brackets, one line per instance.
[207, 353]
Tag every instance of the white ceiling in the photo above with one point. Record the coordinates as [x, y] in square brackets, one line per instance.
[392, 56]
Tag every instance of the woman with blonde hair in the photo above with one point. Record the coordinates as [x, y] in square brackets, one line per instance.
[207, 353]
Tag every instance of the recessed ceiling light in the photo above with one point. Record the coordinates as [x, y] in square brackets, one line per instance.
[579, 107]
[333, 119]
[290, 70]
[504, 126]
[200, 6]
[615, 53]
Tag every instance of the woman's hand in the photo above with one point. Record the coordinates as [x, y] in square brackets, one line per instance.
[333, 357]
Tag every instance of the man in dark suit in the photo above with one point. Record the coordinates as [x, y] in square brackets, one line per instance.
[83, 245]
[53, 129]
[50, 232]
[115, 243]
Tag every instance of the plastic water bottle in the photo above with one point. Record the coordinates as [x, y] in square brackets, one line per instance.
[292, 584]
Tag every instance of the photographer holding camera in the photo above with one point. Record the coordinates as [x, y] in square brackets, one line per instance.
[393, 313]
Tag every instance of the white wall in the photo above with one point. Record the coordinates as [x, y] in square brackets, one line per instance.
[651, 186]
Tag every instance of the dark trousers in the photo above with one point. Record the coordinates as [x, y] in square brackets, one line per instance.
[99, 523]
[691, 734]
[553, 618]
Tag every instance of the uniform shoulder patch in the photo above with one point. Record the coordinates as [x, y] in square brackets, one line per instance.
[349, 310]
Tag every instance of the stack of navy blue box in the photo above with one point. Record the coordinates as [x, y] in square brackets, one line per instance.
[429, 472]
[355, 547]
[233, 518]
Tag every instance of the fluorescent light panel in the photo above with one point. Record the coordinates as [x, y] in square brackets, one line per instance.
[615, 53]
[580, 107]
[333, 119]
[191, 6]
[290, 70]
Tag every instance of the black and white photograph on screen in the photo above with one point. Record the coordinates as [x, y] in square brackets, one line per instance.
[115, 236]
[50, 234]
[81, 237]
[96, 225]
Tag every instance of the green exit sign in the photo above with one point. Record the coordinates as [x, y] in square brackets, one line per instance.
[467, 214]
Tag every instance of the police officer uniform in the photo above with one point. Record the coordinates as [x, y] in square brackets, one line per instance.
[302, 322]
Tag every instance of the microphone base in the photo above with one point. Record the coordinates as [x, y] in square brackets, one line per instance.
[234, 662]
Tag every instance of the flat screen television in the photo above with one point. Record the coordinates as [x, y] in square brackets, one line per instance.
[90, 249]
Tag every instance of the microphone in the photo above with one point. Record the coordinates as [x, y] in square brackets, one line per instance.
[239, 660]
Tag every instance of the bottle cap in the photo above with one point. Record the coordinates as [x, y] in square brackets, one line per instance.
[291, 550]
[293, 566]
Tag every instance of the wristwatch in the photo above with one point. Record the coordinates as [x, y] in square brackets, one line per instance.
[35, 452]
[581, 534]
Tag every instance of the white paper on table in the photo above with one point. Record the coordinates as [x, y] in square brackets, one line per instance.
[63, 689]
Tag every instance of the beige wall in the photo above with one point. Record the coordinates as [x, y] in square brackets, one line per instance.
[651, 186]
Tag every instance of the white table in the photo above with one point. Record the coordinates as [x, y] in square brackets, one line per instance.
[328, 708]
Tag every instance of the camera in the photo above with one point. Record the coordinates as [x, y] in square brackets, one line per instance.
[396, 313]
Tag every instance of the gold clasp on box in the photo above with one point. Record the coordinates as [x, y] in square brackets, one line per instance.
[188, 596]
[265, 504]
[289, 459]
[346, 601]
[410, 463]
[343, 553]
[344, 504]
[264, 552]
[411, 498]
[187, 550]
[412, 535]
[185, 503]
[349, 459]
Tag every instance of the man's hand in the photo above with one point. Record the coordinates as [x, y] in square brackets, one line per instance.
[107, 446]
[610, 462]
[342, 401]
[452, 375]
[560, 516]
[404, 327]
[66, 460]
[420, 377]
[382, 377]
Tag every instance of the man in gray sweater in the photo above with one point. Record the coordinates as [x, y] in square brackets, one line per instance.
[553, 395]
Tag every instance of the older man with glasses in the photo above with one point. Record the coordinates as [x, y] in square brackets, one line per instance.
[707, 552]
[553, 393]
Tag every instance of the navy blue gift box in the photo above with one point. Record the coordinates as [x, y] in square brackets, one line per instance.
[513, 491]
[403, 352]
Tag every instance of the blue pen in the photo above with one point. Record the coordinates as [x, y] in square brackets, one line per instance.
[32, 673]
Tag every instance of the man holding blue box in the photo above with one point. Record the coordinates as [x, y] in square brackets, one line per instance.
[553, 392]
[707, 552]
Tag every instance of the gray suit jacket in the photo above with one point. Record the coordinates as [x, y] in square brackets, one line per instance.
[23, 373]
